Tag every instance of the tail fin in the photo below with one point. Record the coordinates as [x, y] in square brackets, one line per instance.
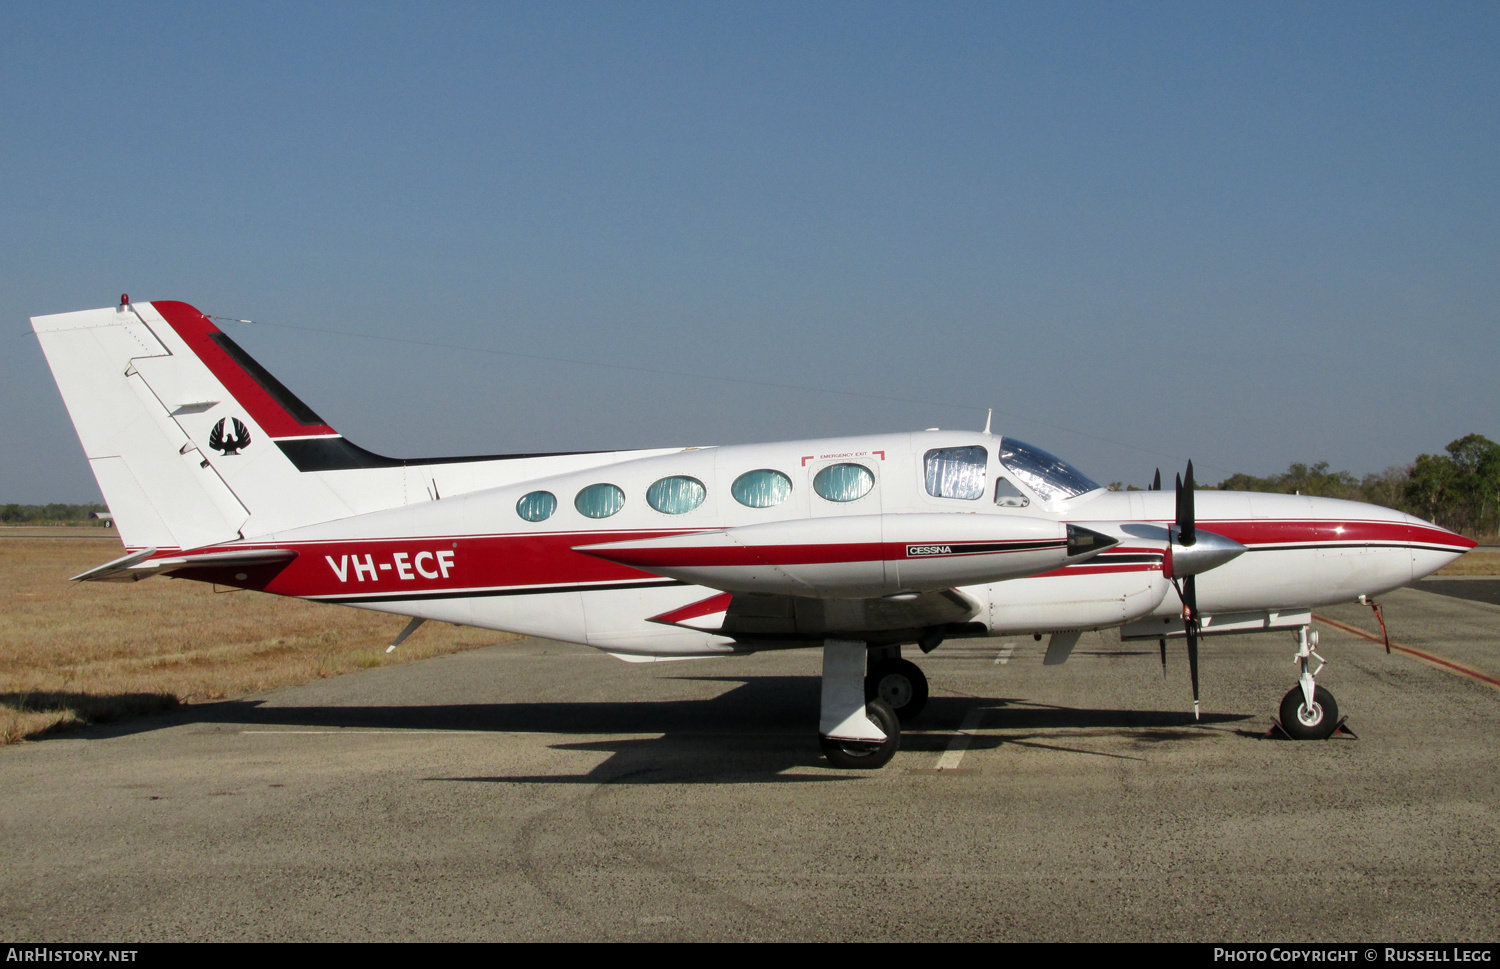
[192, 442]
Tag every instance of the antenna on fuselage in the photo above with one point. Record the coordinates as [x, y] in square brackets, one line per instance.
[989, 415]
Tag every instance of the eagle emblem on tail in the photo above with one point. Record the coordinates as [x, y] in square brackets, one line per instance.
[232, 444]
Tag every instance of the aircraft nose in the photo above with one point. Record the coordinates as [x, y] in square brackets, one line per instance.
[1424, 547]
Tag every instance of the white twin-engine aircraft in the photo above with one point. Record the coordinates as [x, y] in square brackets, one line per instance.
[214, 471]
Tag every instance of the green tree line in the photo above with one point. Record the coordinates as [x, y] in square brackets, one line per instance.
[46, 514]
[1459, 490]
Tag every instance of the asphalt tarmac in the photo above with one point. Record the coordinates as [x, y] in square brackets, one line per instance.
[542, 791]
[1476, 587]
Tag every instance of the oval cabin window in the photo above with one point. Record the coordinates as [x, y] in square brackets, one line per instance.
[843, 482]
[764, 488]
[599, 501]
[676, 495]
[537, 506]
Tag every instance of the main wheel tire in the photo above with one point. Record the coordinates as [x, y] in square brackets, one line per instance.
[1302, 723]
[858, 755]
[899, 683]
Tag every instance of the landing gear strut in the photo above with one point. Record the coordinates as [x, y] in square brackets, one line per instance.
[855, 732]
[1308, 711]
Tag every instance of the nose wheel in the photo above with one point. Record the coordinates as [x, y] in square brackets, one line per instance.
[900, 684]
[1304, 721]
[1308, 711]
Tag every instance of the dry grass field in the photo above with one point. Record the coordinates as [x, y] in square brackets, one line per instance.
[90, 652]
[1484, 560]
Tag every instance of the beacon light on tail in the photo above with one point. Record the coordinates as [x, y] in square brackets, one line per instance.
[215, 471]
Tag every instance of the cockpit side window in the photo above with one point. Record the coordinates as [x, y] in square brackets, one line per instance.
[956, 472]
[1008, 495]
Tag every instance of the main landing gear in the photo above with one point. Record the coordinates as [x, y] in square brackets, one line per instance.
[1308, 711]
[898, 682]
[862, 711]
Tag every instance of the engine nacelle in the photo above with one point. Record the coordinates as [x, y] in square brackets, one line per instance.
[861, 555]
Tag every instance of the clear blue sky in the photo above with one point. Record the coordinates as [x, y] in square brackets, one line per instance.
[1250, 234]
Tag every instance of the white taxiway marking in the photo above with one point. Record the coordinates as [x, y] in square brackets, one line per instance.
[1004, 656]
[954, 755]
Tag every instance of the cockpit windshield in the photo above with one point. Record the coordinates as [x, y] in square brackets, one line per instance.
[1050, 477]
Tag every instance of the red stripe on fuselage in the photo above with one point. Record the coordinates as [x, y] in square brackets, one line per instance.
[1325, 531]
[390, 566]
[1331, 531]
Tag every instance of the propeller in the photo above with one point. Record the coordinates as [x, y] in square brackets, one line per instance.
[1155, 485]
[1187, 536]
[1188, 553]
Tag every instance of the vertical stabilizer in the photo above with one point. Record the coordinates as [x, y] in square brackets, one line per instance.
[194, 443]
[180, 426]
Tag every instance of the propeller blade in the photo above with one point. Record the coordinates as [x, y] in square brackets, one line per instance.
[1190, 624]
[1186, 536]
[1156, 481]
[1163, 644]
[1187, 523]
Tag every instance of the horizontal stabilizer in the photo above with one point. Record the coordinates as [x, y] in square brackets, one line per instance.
[140, 565]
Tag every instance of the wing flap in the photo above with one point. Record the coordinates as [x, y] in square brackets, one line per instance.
[751, 615]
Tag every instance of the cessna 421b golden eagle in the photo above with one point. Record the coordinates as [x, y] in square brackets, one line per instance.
[215, 471]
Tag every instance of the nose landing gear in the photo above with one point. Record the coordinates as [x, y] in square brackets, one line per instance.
[1308, 711]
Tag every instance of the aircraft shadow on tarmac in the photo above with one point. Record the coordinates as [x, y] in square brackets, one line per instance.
[750, 733]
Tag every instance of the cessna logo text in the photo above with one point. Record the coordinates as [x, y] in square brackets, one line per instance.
[912, 551]
[405, 565]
